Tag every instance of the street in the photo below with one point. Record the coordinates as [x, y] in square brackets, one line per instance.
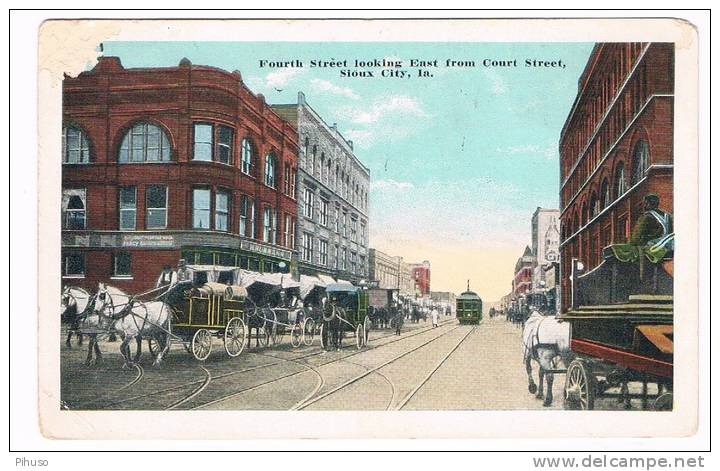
[452, 367]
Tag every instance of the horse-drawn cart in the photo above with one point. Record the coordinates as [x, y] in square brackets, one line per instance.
[346, 311]
[621, 331]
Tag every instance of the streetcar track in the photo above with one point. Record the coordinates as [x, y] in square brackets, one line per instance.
[298, 405]
[393, 389]
[412, 393]
[372, 370]
[208, 378]
[138, 377]
[245, 370]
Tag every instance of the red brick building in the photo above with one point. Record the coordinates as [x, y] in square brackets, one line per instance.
[523, 280]
[421, 276]
[164, 163]
[616, 146]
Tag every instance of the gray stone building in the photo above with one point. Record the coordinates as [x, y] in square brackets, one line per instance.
[390, 271]
[332, 192]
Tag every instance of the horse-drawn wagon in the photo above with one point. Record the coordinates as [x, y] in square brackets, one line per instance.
[621, 331]
[346, 310]
[383, 304]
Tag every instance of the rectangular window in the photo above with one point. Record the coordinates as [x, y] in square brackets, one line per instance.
[122, 264]
[225, 144]
[222, 210]
[353, 267]
[73, 264]
[323, 249]
[353, 230]
[292, 233]
[293, 181]
[344, 259]
[224, 259]
[273, 228]
[309, 207]
[244, 202]
[307, 247]
[253, 218]
[286, 231]
[128, 208]
[323, 212]
[337, 219]
[363, 233]
[156, 207]
[267, 225]
[344, 224]
[201, 208]
[361, 268]
[336, 256]
[73, 208]
[203, 142]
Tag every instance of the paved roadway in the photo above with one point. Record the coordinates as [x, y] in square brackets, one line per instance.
[451, 367]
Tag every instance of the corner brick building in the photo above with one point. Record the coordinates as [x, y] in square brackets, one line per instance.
[160, 164]
[616, 146]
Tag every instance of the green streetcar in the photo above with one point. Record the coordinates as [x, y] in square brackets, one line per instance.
[469, 307]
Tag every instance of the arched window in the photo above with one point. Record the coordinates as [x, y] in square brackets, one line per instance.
[620, 183]
[640, 161]
[594, 206]
[246, 156]
[584, 214]
[270, 170]
[605, 193]
[145, 142]
[575, 225]
[75, 146]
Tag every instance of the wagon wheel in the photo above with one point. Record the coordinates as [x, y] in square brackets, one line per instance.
[234, 337]
[308, 331]
[264, 336]
[359, 336]
[664, 402]
[276, 334]
[296, 336]
[201, 344]
[579, 387]
[154, 346]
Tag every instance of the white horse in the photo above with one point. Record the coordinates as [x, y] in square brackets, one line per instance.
[73, 302]
[132, 320]
[545, 340]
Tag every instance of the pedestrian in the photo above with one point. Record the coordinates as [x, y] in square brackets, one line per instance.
[398, 322]
[434, 314]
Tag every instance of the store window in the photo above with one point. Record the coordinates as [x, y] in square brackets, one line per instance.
[73, 264]
[122, 264]
[247, 156]
[270, 170]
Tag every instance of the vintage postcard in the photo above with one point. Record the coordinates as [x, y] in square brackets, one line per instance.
[438, 228]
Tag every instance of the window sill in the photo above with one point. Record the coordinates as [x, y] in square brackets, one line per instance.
[73, 277]
[122, 277]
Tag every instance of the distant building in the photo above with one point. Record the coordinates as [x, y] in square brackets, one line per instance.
[616, 146]
[522, 281]
[545, 243]
[332, 230]
[390, 271]
[421, 277]
[443, 297]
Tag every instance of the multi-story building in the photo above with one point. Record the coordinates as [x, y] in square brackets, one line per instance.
[421, 276]
[165, 163]
[522, 281]
[616, 146]
[390, 271]
[333, 185]
[545, 243]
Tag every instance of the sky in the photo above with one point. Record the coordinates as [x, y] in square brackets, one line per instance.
[458, 161]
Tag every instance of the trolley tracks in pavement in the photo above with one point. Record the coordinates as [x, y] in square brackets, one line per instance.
[202, 384]
[321, 380]
[417, 388]
[372, 370]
